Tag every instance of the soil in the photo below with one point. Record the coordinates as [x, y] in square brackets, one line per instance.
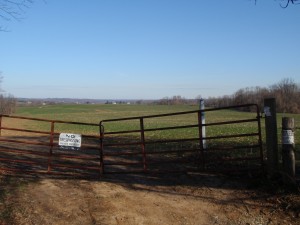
[139, 199]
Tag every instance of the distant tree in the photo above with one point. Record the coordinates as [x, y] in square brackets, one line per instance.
[250, 95]
[286, 92]
[226, 100]
[175, 100]
[8, 103]
[1, 77]
[13, 10]
[164, 101]
[139, 102]
[178, 100]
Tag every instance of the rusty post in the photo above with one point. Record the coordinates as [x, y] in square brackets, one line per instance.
[101, 127]
[51, 146]
[288, 149]
[0, 125]
[261, 154]
[271, 136]
[143, 144]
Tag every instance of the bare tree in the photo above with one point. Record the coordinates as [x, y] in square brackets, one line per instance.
[13, 10]
[285, 3]
[1, 78]
[286, 92]
[287, 95]
[8, 103]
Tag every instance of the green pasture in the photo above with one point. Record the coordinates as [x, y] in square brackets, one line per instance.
[89, 113]
[96, 113]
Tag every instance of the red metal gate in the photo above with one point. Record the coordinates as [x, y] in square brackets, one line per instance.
[138, 150]
[150, 146]
[37, 150]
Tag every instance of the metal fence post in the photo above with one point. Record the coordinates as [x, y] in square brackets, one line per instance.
[260, 139]
[101, 130]
[51, 147]
[288, 149]
[271, 136]
[143, 144]
[202, 108]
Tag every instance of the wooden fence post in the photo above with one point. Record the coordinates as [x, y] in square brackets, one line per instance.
[271, 136]
[288, 149]
[0, 125]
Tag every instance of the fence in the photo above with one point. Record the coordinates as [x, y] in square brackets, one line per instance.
[144, 144]
[38, 151]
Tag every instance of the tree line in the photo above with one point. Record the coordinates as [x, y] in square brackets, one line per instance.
[286, 92]
[8, 103]
[175, 100]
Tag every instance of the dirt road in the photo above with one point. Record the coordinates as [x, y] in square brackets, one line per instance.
[140, 200]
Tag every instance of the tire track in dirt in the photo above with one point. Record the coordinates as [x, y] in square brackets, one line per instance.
[59, 202]
[139, 201]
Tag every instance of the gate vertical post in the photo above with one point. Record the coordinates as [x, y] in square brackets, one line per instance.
[288, 149]
[143, 144]
[101, 127]
[271, 136]
[51, 147]
[261, 154]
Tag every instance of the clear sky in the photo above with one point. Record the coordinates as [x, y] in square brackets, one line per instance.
[148, 49]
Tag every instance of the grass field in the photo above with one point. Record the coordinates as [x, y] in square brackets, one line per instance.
[96, 113]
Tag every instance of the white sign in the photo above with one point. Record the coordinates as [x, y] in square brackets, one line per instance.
[267, 111]
[288, 137]
[70, 140]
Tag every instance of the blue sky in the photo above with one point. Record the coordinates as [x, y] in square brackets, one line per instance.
[148, 49]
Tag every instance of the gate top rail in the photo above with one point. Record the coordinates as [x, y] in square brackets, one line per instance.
[178, 113]
[47, 120]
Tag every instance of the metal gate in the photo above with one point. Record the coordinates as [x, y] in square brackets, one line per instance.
[145, 149]
[151, 145]
[37, 150]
